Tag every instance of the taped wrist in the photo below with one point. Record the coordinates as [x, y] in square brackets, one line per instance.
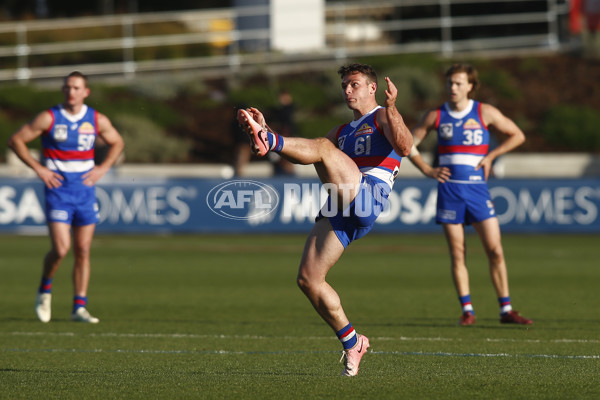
[413, 151]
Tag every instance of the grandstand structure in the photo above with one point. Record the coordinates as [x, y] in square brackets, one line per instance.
[272, 35]
[280, 38]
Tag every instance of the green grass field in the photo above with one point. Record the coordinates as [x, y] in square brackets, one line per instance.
[220, 317]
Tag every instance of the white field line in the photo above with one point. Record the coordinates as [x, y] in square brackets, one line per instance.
[258, 337]
[232, 352]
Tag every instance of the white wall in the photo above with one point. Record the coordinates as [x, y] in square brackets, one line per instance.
[297, 25]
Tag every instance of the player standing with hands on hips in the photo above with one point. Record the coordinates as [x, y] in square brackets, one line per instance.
[68, 132]
[465, 163]
[358, 163]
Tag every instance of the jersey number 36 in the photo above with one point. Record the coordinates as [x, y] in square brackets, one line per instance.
[473, 136]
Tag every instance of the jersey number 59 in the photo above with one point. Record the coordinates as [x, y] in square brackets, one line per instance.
[85, 142]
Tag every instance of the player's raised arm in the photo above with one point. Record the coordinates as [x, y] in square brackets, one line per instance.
[393, 124]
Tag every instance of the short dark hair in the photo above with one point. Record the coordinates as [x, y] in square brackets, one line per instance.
[77, 74]
[472, 75]
[364, 69]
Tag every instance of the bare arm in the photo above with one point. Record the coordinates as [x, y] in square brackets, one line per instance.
[423, 127]
[112, 138]
[27, 133]
[332, 135]
[394, 128]
[514, 135]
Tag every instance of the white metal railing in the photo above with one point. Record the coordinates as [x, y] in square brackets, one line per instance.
[198, 27]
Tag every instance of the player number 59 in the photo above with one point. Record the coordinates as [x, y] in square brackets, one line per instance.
[85, 142]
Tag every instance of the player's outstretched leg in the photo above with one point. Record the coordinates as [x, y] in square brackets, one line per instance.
[352, 357]
[258, 135]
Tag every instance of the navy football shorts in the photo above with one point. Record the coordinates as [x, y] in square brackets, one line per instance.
[72, 205]
[463, 203]
[359, 217]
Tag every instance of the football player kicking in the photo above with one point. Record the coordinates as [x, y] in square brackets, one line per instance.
[358, 162]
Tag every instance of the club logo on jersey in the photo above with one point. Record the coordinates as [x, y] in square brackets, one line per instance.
[365, 129]
[86, 129]
[341, 141]
[472, 124]
[446, 131]
[60, 132]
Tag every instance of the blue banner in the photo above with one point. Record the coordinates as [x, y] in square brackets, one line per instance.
[290, 205]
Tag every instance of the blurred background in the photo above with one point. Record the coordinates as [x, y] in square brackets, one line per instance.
[170, 75]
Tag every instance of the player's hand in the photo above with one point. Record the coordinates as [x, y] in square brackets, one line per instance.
[441, 174]
[391, 94]
[257, 116]
[51, 179]
[486, 164]
[91, 177]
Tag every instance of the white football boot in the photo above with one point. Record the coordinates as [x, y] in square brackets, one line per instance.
[43, 306]
[83, 315]
[351, 357]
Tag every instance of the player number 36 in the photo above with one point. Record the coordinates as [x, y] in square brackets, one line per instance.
[473, 136]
